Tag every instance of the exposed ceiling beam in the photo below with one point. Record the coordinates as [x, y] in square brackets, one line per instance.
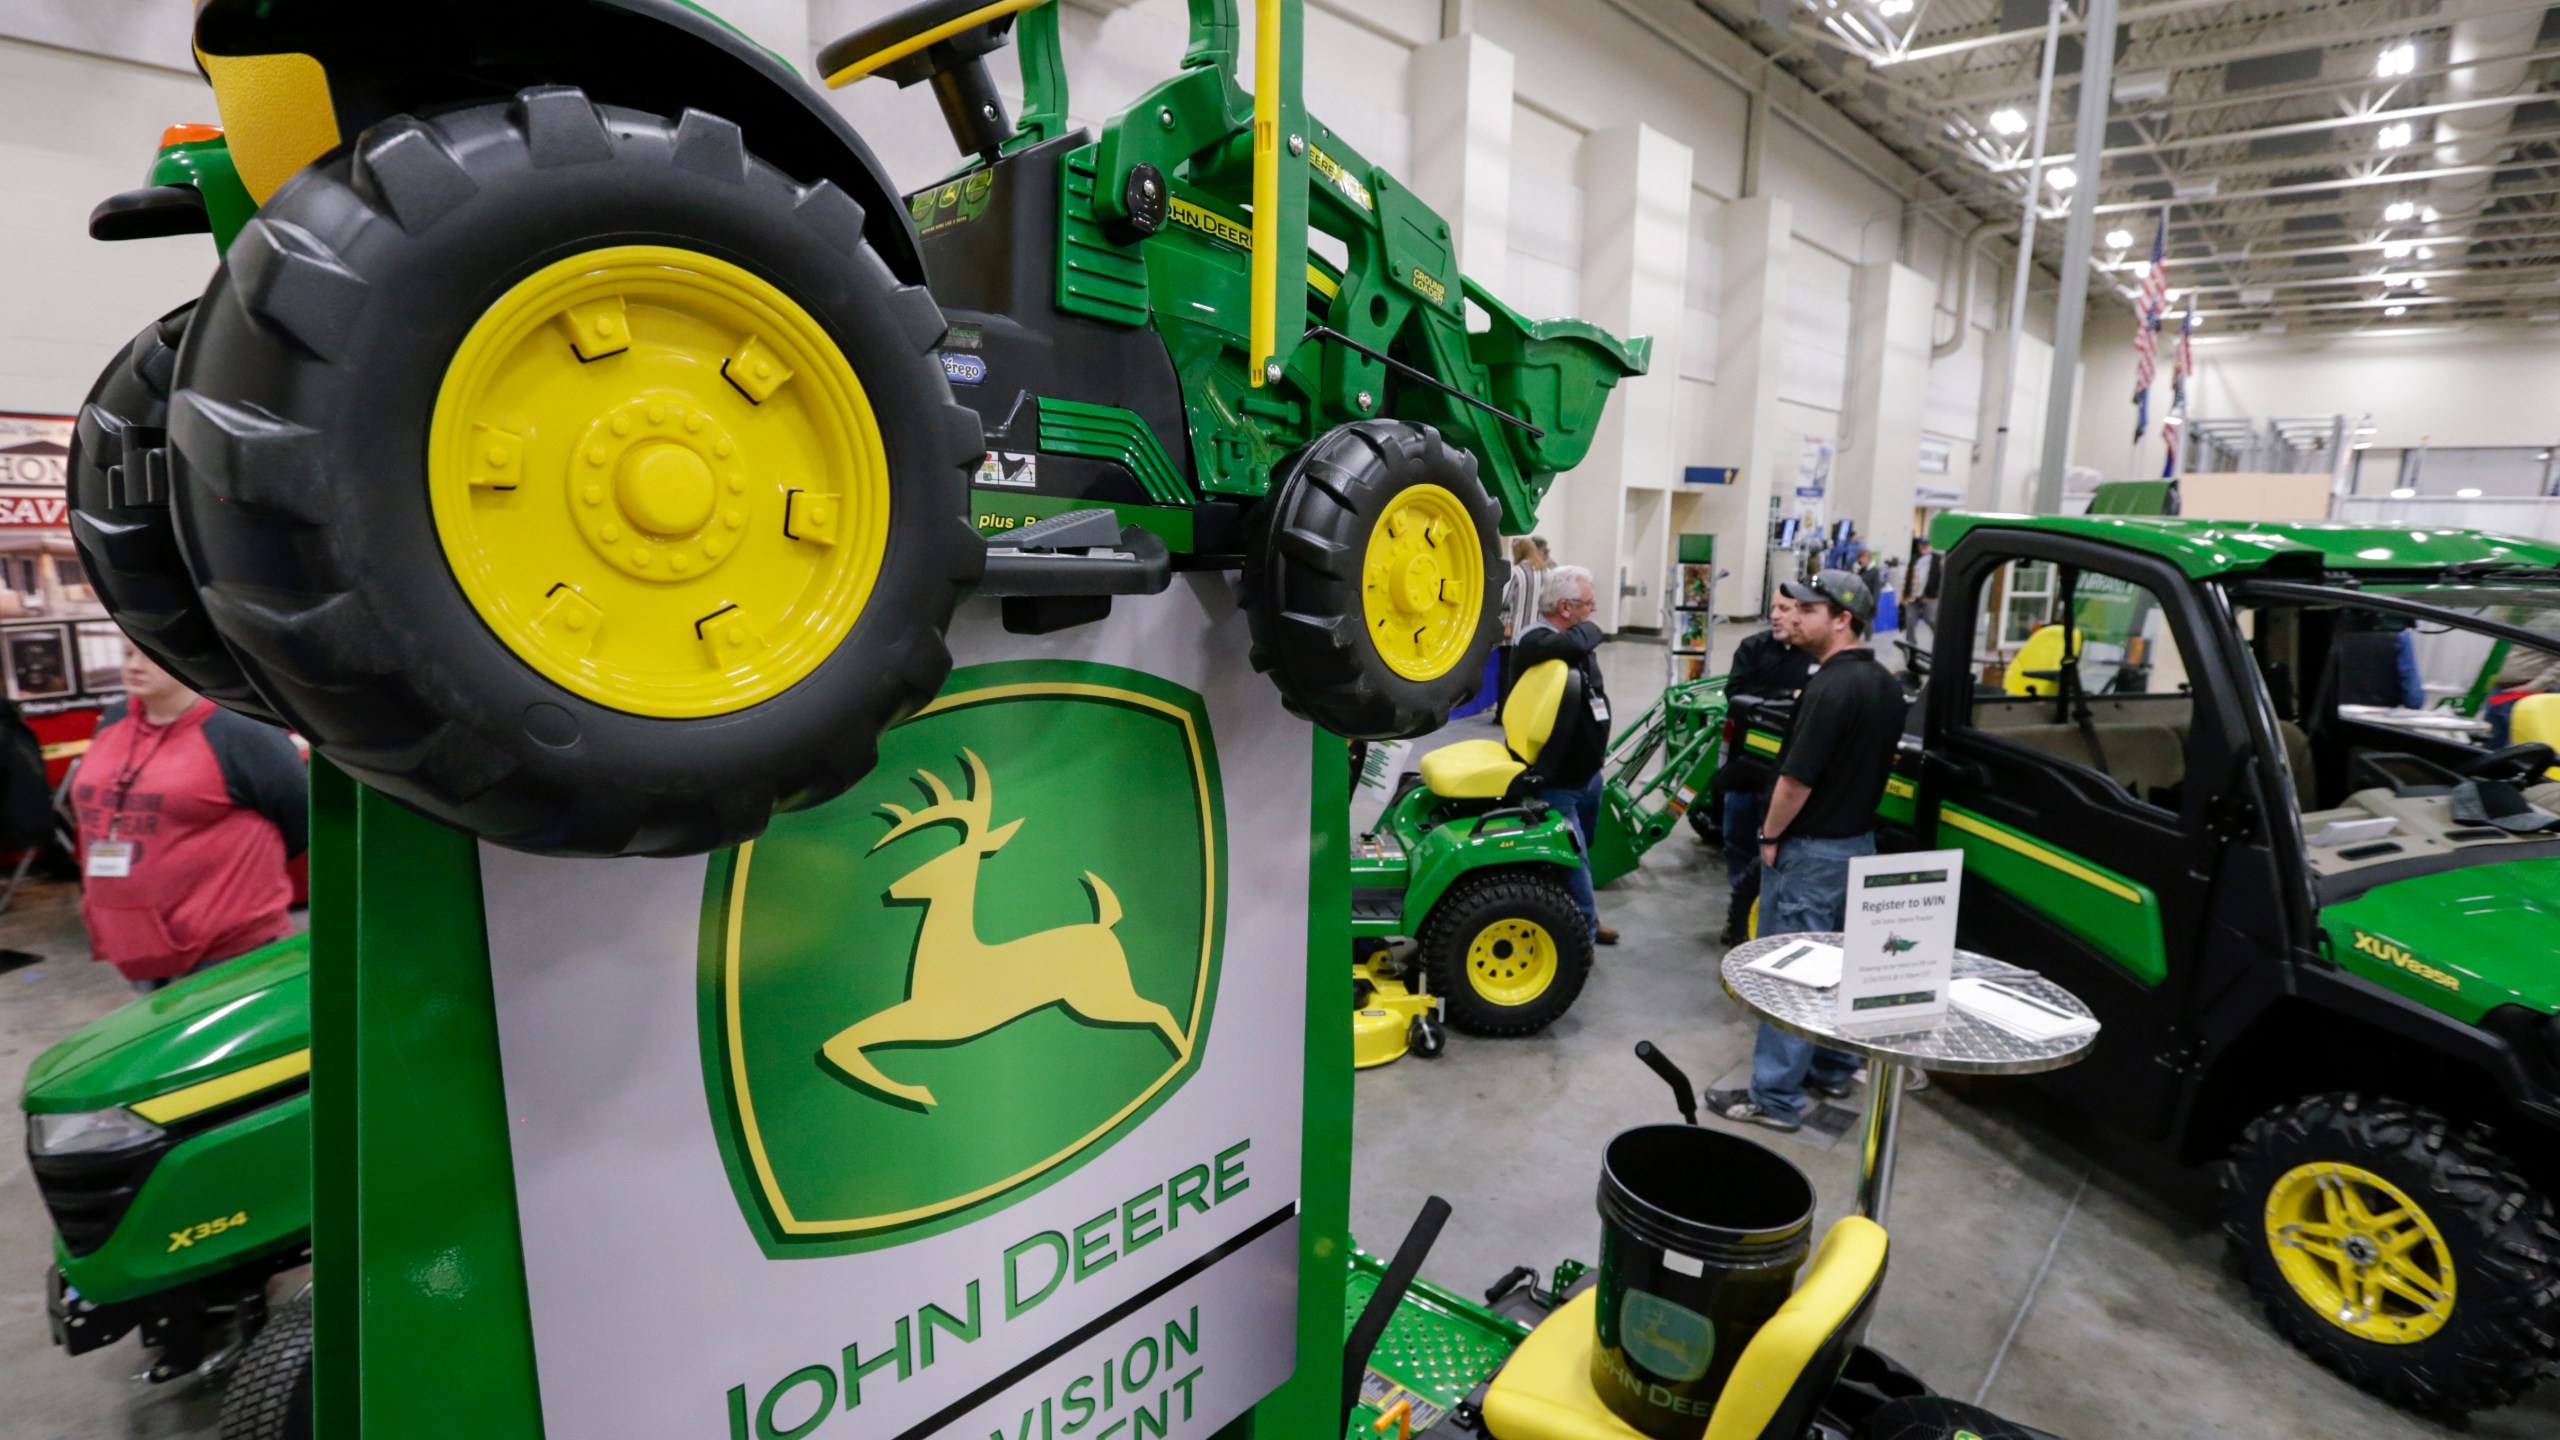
[1982, 99]
[2296, 127]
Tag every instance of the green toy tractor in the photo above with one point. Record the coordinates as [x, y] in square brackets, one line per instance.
[1467, 861]
[585, 444]
[171, 1142]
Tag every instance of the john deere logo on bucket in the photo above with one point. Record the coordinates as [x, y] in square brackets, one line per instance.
[977, 969]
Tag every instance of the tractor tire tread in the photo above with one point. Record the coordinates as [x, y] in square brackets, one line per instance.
[1302, 589]
[131, 552]
[2504, 1334]
[1473, 902]
[268, 1396]
[266, 431]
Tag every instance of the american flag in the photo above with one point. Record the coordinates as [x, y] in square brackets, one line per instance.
[2147, 305]
[2175, 420]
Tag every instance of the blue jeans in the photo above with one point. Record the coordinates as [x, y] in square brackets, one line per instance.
[1582, 804]
[1744, 810]
[1808, 889]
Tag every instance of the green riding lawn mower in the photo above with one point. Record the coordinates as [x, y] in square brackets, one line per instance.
[171, 1142]
[584, 443]
[1468, 863]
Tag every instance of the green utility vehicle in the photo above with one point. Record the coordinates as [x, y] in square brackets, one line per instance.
[1468, 862]
[171, 1141]
[583, 442]
[2322, 933]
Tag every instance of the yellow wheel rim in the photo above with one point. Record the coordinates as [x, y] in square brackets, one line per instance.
[2360, 1253]
[1512, 962]
[659, 482]
[1422, 583]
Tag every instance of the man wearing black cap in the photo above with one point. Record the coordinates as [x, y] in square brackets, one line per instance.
[1822, 815]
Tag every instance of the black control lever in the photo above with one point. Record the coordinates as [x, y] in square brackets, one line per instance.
[1383, 1301]
[1672, 1075]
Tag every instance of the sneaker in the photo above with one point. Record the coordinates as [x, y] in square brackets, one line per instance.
[1739, 1107]
[1913, 1079]
[1841, 1091]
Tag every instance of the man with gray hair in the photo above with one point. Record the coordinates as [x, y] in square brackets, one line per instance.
[1564, 631]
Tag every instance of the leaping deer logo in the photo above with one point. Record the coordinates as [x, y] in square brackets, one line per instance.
[961, 987]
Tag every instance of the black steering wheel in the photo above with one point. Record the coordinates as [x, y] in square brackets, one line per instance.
[2516, 764]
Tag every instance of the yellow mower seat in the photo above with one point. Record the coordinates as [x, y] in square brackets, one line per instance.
[2043, 652]
[1484, 769]
[1544, 1391]
[2535, 718]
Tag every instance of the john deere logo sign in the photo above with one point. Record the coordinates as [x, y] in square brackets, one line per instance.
[972, 973]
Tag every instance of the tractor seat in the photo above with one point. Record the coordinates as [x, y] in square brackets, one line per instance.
[1544, 1390]
[1486, 769]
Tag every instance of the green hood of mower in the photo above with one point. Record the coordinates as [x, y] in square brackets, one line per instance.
[254, 1009]
[2462, 941]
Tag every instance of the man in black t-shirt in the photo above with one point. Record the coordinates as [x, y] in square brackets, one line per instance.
[1822, 815]
[1766, 666]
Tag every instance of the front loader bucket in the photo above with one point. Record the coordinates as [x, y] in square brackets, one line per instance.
[1555, 374]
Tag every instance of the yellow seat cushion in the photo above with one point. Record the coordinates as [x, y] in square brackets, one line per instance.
[1484, 769]
[1544, 1390]
[2043, 651]
[1471, 770]
[2536, 718]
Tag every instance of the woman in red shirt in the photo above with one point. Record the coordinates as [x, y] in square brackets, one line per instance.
[188, 814]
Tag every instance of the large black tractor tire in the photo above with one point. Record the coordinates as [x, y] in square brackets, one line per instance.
[269, 1393]
[120, 519]
[1506, 951]
[2433, 1348]
[1320, 594]
[309, 392]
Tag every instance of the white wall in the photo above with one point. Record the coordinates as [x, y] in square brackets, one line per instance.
[75, 129]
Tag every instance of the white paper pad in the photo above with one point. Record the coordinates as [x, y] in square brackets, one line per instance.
[1809, 963]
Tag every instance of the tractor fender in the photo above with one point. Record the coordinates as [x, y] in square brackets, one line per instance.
[1447, 852]
[661, 56]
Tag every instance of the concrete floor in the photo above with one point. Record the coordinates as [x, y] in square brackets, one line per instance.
[2062, 1278]
[2049, 1270]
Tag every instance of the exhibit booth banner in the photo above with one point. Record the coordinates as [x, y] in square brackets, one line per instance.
[971, 1102]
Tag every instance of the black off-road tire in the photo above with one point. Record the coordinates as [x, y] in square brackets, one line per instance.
[1302, 579]
[269, 1394]
[300, 424]
[2504, 1332]
[1477, 901]
[120, 523]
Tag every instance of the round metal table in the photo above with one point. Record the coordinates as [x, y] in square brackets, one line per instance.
[1961, 1045]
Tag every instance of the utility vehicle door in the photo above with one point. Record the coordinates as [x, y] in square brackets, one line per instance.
[2087, 749]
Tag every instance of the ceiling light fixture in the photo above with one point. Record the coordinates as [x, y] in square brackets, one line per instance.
[2399, 59]
[2008, 122]
[2119, 239]
[2417, 282]
[2467, 492]
[2426, 252]
[2391, 281]
[2428, 214]
[2394, 312]
[2396, 250]
[2392, 136]
[2399, 212]
[2062, 177]
[1893, 7]
[2403, 493]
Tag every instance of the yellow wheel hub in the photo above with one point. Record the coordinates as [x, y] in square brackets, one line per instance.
[1512, 962]
[614, 432]
[2361, 1253]
[1422, 583]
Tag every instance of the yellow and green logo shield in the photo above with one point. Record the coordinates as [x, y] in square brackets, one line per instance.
[974, 971]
